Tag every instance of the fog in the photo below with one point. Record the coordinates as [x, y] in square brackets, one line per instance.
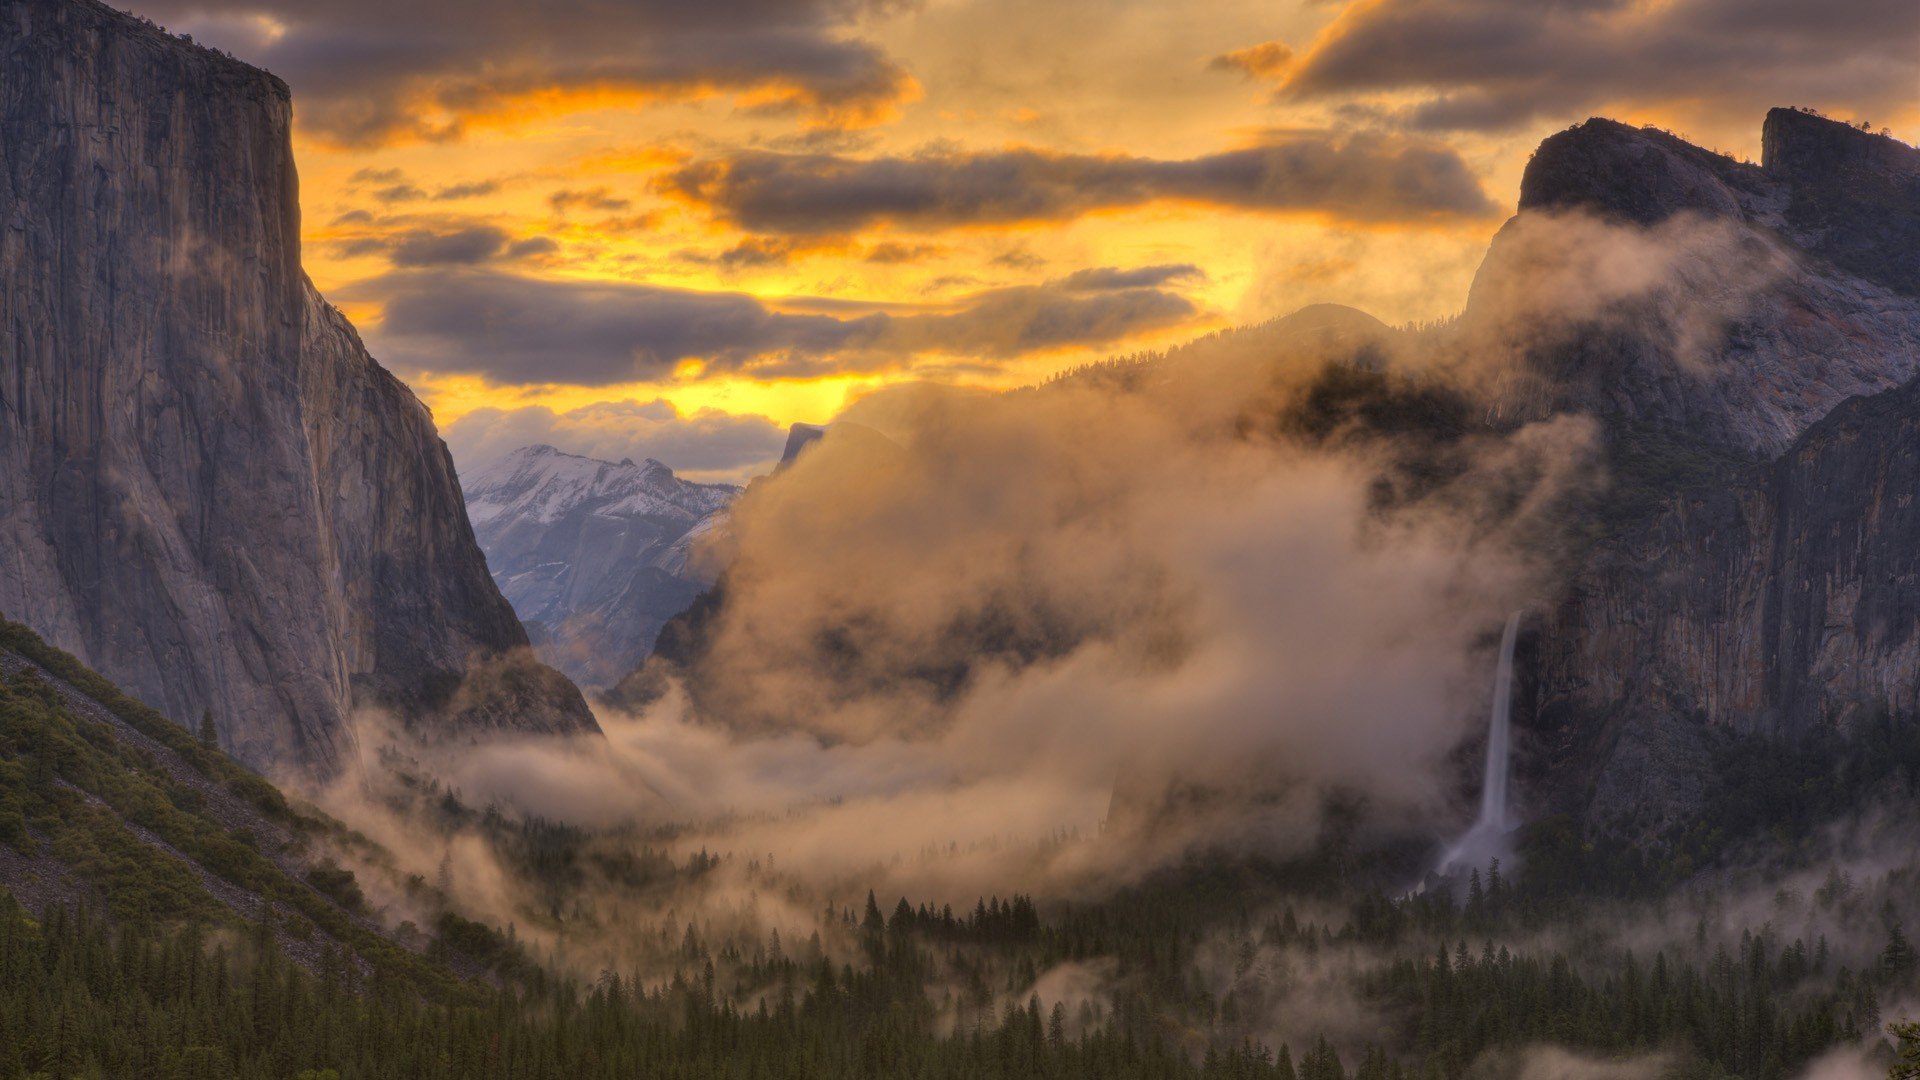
[1052, 641]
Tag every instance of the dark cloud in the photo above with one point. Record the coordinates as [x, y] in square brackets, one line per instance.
[598, 198]
[1356, 177]
[467, 191]
[1262, 61]
[1489, 64]
[373, 71]
[518, 330]
[1008, 322]
[760, 251]
[463, 247]
[354, 217]
[1018, 259]
[470, 245]
[531, 246]
[892, 252]
[1142, 277]
[388, 185]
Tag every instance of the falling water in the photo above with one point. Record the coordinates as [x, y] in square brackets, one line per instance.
[1493, 794]
[1488, 835]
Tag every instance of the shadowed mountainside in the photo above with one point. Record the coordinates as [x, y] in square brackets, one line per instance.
[208, 489]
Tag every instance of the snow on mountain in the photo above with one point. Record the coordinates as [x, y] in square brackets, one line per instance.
[594, 555]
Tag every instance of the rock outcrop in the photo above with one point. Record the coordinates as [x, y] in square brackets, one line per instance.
[208, 490]
[595, 555]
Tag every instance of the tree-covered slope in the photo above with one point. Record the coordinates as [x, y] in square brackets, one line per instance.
[105, 802]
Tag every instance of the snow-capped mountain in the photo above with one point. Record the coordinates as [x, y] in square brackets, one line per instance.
[594, 555]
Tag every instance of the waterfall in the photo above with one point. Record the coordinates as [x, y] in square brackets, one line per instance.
[1487, 837]
[1493, 793]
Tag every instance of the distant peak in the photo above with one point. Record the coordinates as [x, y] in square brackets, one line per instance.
[799, 437]
[538, 450]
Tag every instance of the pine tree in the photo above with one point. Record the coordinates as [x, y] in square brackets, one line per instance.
[1897, 958]
[209, 735]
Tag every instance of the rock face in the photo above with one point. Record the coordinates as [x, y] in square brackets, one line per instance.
[208, 490]
[1785, 593]
[596, 556]
[1656, 284]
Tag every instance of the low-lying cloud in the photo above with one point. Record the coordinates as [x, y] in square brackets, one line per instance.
[956, 621]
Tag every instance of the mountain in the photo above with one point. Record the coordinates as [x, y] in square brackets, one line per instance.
[595, 555]
[1771, 589]
[799, 437]
[1748, 340]
[108, 803]
[1771, 293]
[208, 489]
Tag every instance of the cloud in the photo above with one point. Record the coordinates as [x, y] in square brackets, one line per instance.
[369, 72]
[532, 246]
[758, 251]
[462, 247]
[519, 330]
[467, 191]
[960, 615]
[892, 252]
[1490, 64]
[708, 445]
[598, 198]
[470, 245]
[1263, 61]
[1143, 277]
[1356, 177]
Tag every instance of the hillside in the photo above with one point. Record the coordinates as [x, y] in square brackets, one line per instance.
[107, 804]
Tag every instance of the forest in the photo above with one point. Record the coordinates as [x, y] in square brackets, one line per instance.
[1219, 966]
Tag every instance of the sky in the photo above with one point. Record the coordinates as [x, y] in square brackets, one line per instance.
[666, 228]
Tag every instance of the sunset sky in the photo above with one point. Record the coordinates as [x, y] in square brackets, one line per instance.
[666, 228]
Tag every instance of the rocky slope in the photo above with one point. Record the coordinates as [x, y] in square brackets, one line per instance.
[1786, 592]
[208, 489]
[594, 555]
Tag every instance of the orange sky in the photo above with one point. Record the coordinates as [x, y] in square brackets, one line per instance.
[560, 164]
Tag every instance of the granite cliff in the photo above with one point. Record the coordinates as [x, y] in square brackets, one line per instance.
[208, 489]
[1770, 584]
[1728, 303]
